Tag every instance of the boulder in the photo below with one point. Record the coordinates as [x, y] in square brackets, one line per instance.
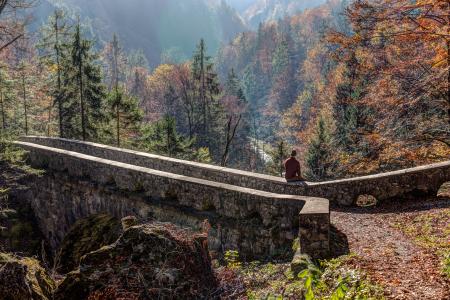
[85, 236]
[444, 190]
[23, 279]
[150, 261]
[366, 201]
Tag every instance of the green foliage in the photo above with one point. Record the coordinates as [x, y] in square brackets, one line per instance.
[233, 87]
[278, 154]
[232, 259]
[83, 90]
[7, 100]
[319, 158]
[15, 156]
[163, 138]
[311, 277]
[8, 152]
[208, 114]
[124, 115]
[446, 263]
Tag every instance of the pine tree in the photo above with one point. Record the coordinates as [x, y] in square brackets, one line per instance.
[7, 97]
[278, 154]
[52, 44]
[23, 90]
[345, 110]
[125, 109]
[163, 138]
[208, 110]
[83, 89]
[319, 155]
[233, 87]
[125, 112]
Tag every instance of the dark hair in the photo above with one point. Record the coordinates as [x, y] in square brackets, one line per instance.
[294, 153]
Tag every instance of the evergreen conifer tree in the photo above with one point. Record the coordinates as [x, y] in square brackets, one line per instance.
[278, 154]
[54, 37]
[83, 89]
[209, 113]
[319, 159]
[163, 138]
[7, 97]
[125, 112]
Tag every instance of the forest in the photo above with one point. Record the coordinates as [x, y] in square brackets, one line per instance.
[357, 87]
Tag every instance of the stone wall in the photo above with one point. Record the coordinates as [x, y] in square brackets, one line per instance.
[345, 192]
[256, 223]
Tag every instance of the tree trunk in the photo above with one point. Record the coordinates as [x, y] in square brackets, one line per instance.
[25, 103]
[2, 107]
[118, 118]
[58, 66]
[448, 73]
[80, 82]
[231, 133]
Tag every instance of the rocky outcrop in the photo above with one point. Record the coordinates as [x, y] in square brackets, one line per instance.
[24, 279]
[87, 235]
[151, 261]
[19, 231]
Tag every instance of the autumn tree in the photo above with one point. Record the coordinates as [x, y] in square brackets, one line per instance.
[12, 21]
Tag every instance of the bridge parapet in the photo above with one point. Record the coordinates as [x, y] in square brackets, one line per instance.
[257, 223]
[344, 192]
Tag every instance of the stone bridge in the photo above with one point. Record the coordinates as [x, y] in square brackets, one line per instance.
[258, 215]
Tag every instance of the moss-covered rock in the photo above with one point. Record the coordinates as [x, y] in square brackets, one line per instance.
[147, 262]
[24, 278]
[85, 236]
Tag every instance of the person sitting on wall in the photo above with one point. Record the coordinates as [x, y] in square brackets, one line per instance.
[292, 167]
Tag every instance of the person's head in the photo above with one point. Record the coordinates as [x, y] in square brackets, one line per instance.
[294, 153]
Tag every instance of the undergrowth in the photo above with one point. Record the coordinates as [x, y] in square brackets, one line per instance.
[14, 156]
[325, 280]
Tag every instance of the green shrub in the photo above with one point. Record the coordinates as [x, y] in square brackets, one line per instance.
[232, 259]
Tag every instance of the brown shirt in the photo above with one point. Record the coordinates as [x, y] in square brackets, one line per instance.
[292, 167]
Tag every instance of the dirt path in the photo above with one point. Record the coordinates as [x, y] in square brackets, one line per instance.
[397, 246]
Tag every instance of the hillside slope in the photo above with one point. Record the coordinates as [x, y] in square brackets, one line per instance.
[262, 11]
[159, 27]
